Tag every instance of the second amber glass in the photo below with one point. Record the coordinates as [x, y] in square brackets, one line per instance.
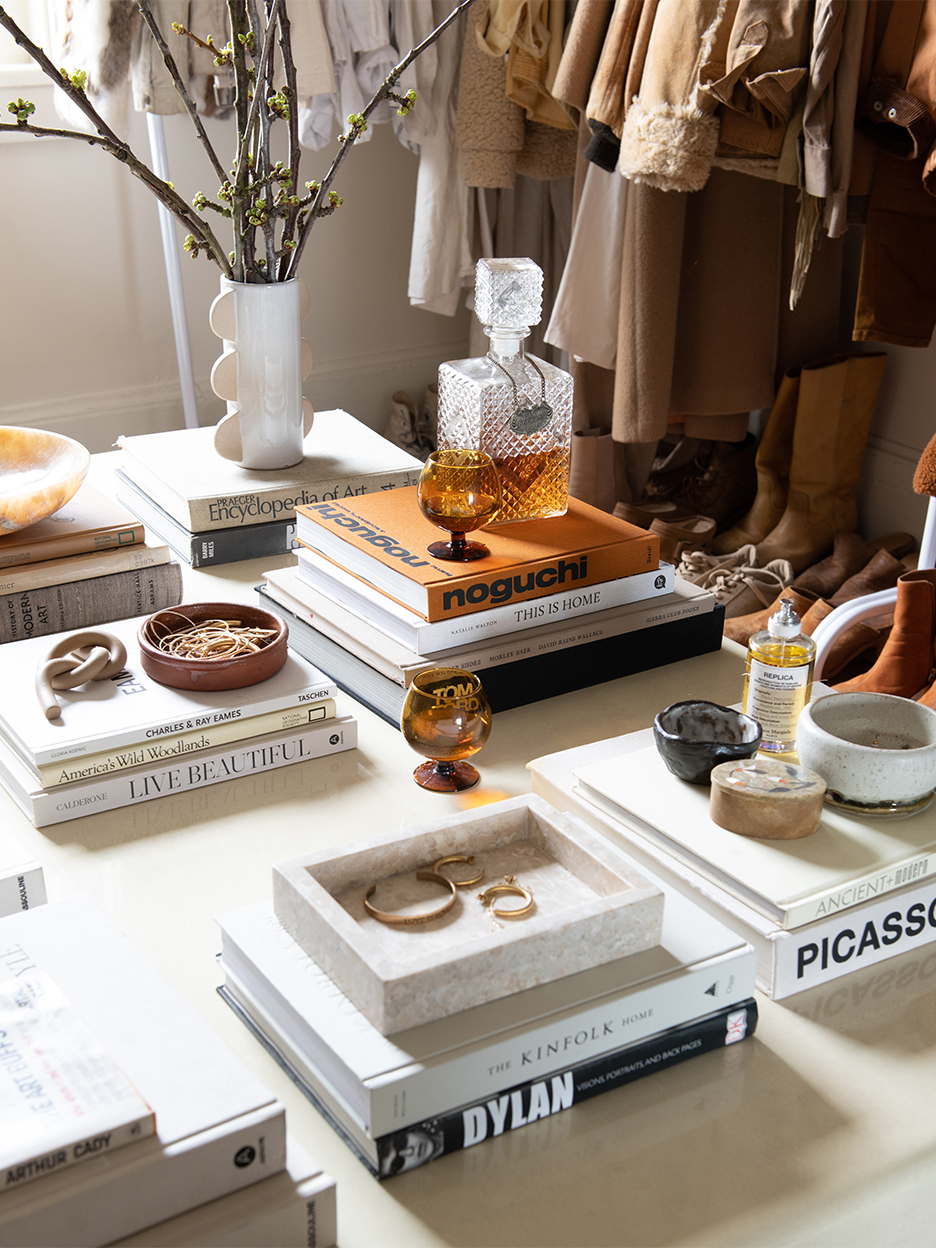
[460, 491]
[447, 717]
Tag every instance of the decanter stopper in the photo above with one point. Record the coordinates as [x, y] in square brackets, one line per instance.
[509, 294]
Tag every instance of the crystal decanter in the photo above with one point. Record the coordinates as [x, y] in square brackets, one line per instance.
[513, 406]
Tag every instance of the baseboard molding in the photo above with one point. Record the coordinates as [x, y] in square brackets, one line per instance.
[886, 499]
[361, 384]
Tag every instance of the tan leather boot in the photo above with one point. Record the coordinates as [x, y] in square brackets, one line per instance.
[907, 661]
[772, 464]
[833, 415]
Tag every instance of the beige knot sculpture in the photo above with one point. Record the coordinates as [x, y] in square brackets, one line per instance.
[73, 661]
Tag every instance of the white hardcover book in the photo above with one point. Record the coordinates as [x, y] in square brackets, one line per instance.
[63, 1098]
[393, 1081]
[294, 1209]
[181, 472]
[22, 883]
[514, 1107]
[418, 634]
[861, 930]
[131, 707]
[194, 771]
[849, 859]
[217, 1127]
[391, 657]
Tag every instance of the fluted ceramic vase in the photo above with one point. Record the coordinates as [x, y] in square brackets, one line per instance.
[261, 371]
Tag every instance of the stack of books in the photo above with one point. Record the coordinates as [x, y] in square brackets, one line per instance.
[402, 1100]
[560, 604]
[177, 1143]
[211, 511]
[128, 740]
[855, 893]
[87, 564]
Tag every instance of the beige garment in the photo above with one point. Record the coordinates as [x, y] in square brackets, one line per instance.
[670, 133]
[512, 22]
[530, 78]
[495, 141]
[315, 72]
[490, 128]
[582, 52]
[607, 101]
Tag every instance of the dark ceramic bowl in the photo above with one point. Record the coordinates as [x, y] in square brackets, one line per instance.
[206, 675]
[693, 737]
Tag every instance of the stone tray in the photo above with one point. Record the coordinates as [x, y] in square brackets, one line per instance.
[590, 909]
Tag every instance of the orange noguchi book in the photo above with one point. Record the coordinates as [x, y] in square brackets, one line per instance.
[383, 539]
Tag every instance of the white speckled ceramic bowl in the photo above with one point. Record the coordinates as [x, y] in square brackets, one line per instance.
[876, 753]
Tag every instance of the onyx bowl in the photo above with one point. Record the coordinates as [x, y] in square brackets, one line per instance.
[693, 737]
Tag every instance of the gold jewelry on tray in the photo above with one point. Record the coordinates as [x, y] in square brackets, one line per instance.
[475, 879]
[413, 920]
[511, 886]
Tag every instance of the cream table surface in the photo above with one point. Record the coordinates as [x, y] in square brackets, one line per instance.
[821, 1129]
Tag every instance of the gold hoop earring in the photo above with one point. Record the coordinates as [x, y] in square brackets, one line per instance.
[511, 886]
[413, 920]
[475, 879]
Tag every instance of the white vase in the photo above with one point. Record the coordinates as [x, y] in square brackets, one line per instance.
[261, 371]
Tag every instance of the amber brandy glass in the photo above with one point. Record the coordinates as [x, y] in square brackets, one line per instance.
[459, 491]
[447, 717]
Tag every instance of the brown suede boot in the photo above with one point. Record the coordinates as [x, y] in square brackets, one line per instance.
[772, 468]
[907, 662]
[849, 555]
[858, 639]
[833, 417]
[743, 627]
[882, 571]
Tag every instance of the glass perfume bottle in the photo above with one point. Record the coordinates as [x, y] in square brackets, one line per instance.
[513, 406]
[778, 678]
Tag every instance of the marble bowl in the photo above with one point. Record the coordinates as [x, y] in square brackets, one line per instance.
[39, 473]
[206, 675]
[693, 737]
[876, 752]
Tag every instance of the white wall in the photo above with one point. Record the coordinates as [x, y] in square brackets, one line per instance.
[86, 338]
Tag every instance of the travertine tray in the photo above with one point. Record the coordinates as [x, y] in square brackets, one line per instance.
[588, 911]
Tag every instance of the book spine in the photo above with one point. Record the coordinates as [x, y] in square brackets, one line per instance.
[215, 512]
[82, 567]
[206, 768]
[406, 1097]
[203, 550]
[462, 630]
[856, 938]
[149, 732]
[22, 888]
[496, 653]
[170, 749]
[304, 1214]
[74, 544]
[125, 1198]
[532, 1100]
[83, 604]
[17, 1174]
[471, 592]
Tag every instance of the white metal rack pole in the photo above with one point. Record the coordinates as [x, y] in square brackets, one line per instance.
[157, 140]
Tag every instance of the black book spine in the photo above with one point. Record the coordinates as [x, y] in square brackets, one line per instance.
[258, 541]
[527, 1102]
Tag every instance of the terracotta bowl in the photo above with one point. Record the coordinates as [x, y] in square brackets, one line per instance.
[205, 675]
[39, 473]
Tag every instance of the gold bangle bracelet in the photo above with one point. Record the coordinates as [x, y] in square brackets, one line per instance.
[509, 886]
[413, 920]
[475, 879]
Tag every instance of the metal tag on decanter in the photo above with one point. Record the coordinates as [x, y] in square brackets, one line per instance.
[527, 420]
